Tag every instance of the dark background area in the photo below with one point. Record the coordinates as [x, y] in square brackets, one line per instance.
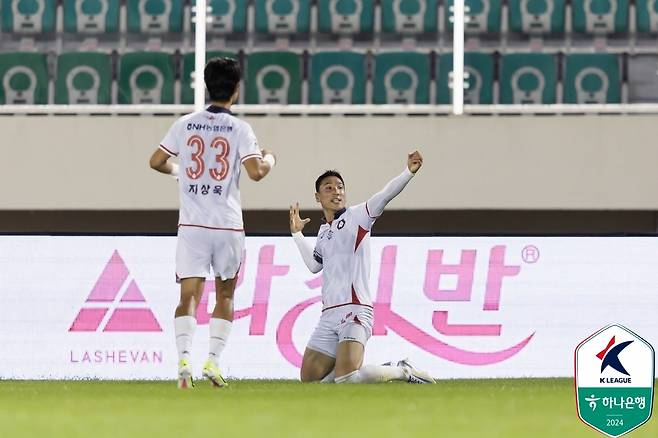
[393, 222]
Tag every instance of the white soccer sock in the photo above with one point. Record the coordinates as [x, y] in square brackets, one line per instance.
[219, 331]
[184, 327]
[373, 374]
[329, 378]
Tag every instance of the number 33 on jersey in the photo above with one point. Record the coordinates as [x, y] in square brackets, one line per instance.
[211, 145]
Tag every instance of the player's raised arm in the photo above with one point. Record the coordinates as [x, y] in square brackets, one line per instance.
[296, 226]
[257, 167]
[375, 205]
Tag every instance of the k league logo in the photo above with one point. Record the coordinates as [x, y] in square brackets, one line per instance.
[615, 371]
[610, 357]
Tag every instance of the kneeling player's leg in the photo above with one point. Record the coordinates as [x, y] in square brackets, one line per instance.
[320, 355]
[349, 359]
[317, 366]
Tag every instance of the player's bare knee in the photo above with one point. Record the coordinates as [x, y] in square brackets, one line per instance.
[187, 298]
[307, 375]
[185, 309]
[225, 288]
[345, 369]
[225, 294]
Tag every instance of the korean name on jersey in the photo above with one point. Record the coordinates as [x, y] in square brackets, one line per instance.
[211, 146]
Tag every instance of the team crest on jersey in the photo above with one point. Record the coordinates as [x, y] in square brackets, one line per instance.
[341, 224]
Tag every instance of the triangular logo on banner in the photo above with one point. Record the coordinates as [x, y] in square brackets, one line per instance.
[122, 319]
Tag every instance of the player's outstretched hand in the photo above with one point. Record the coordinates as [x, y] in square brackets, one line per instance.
[297, 223]
[414, 161]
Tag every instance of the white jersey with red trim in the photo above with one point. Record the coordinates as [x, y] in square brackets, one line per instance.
[211, 145]
[343, 249]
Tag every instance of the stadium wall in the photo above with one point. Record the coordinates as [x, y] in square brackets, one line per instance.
[504, 174]
[548, 162]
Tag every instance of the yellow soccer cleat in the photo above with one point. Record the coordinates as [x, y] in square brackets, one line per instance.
[185, 380]
[212, 372]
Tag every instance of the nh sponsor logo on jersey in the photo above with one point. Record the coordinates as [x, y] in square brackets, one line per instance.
[615, 371]
[209, 128]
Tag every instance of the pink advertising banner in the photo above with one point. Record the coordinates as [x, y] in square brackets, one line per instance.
[468, 307]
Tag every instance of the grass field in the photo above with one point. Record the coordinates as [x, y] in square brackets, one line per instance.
[456, 408]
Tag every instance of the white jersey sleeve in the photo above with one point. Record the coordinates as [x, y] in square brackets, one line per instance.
[375, 205]
[307, 252]
[317, 251]
[170, 142]
[249, 145]
[367, 212]
[363, 216]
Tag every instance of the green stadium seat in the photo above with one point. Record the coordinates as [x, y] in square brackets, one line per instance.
[409, 16]
[283, 17]
[479, 83]
[337, 78]
[646, 15]
[485, 16]
[83, 78]
[146, 78]
[600, 17]
[24, 78]
[91, 16]
[401, 78]
[643, 79]
[346, 17]
[537, 17]
[592, 78]
[274, 78]
[528, 78]
[187, 91]
[228, 17]
[28, 16]
[155, 16]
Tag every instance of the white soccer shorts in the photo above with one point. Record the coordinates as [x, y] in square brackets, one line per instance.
[199, 249]
[345, 323]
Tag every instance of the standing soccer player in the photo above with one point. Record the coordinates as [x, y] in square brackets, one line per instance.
[211, 145]
[342, 251]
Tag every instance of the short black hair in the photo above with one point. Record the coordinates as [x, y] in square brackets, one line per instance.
[222, 76]
[327, 174]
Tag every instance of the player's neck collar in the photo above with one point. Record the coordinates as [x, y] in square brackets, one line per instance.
[218, 109]
[337, 214]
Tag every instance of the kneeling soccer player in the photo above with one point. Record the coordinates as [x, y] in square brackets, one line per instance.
[342, 251]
